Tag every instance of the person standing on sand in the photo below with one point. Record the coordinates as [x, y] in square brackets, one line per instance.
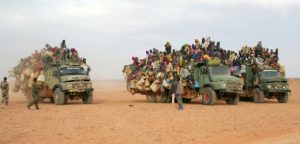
[174, 88]
[5, 88]
[35, 95]
[179, 92]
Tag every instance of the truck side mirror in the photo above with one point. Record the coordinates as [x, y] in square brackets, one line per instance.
[88, 71]
[203, 70]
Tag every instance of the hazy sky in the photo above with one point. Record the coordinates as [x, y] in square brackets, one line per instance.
[109, 32]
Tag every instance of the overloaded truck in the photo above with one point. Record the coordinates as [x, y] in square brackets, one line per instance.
[61, 75]
[215, 82]
[261, 83]
[61, 82]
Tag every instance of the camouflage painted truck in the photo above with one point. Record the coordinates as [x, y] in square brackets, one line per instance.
[60, 83]
[265, 83]
[215, 83]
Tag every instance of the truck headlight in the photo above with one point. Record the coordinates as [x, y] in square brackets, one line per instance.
[223, 85]
[285, 87]
[269, 86]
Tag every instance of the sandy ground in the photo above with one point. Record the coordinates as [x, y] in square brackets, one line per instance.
[111, 120]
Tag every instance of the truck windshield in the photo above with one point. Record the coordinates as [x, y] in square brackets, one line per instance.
[72, 71]
[219, 70]
[269, 74]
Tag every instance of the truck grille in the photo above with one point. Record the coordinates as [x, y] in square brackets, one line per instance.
[233, 85]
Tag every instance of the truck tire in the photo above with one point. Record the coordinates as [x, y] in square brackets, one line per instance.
[41, 99]
[59, 97]
[51, 100]
[88, 99]
[150, 98]
[233, 99]
[160, 98]
[209, 96]
[28, 95]
[186, 100]
[169, 99]
[283, 98]
[258, 96]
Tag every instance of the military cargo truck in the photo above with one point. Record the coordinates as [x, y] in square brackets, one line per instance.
[215, 82]
[61, 75]
[62, 82]
[264, 83]
[67, 81]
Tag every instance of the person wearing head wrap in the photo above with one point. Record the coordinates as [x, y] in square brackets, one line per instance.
[258, 49]
[168, 47]
[63, 44]
[197, 44]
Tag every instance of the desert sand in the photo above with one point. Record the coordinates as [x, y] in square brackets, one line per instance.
[119, 117]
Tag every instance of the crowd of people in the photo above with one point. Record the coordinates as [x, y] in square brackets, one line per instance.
[32, 66]
[157, 70]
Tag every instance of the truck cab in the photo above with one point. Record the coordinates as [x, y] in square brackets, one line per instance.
[273, 85]
[265, 83]
[217, 82]
[67, 82]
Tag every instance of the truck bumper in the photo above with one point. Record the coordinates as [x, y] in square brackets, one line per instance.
[278, 91]
[231, 91]
[79, 90]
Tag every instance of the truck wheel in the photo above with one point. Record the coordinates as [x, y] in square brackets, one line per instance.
[160, 98]
[28, 95]
[150, 98]
[283, 98]
[258, 96]
[59, 97]
[186, 100]
[209, 96]
[233, 99]
[169, 99]
[41, 99]
[51, 100]
[88, 99]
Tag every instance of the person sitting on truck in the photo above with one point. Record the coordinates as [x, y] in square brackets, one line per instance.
[276, 52]
[259, 61]
[168, 47]
[63, 44]
[258, 49]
